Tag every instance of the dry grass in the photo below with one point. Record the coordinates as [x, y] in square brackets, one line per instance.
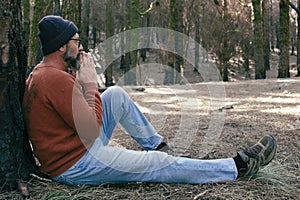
[273, 182]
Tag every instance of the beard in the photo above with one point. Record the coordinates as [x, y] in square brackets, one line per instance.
[72, 61]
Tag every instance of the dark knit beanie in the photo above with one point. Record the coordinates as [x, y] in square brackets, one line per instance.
[54, 32]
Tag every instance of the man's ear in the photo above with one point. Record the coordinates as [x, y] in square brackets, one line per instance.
[63, 48]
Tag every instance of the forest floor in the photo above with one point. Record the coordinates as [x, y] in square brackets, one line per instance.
[209, 120]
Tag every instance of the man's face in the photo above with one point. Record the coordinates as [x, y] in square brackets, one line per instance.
[73, 48]
[71, 58]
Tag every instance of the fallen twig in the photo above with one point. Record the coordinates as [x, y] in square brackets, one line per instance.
[200, 195]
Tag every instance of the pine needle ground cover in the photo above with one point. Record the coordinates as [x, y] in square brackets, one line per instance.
[252, 109]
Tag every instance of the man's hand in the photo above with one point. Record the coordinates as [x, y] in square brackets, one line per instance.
[87, 72]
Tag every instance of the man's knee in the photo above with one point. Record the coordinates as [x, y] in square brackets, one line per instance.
[117, 92]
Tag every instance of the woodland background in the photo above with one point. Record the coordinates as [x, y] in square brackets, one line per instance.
[244, 29]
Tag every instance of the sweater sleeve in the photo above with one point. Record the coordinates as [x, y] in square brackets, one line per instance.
[87, 110]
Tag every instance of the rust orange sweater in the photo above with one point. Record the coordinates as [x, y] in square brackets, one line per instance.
[62, 118]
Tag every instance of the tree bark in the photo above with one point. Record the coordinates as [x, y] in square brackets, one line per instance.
[225, 56]
[108, 48]
[15, 163]
[197, 47]
[85, 24]
[39, 9]
[298, 40]
[297, 9]
[26, 19]
[127, 60]
[57, 8]
[284, 39]
[132, 16]
[266, 32]
[71, 10]
[260, 70]
[33, 38]
[179, 27]
[169, 72]
[134, 41]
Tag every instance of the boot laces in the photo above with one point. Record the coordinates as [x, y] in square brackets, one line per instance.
[253, 152]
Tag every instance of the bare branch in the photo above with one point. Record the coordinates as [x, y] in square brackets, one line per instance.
[295, 8]
[150, 7]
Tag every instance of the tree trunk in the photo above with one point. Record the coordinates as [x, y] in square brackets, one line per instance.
[266, 32]
[26, 19]
[132, 22]
[33, 39]
[108, 48]
[246, 57]
[134, 41]
[38, 10]
[272, 27]
[85, 24]
[260, 70]
[15, 163]
[169, 72]
[298, 41]
[225, 58]
[127, 59]
[57, 8]
[224, 47]
[179, 27]
[71, 10]
[197, 47]
[284, 21]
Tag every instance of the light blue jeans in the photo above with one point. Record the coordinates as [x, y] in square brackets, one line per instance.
[105, 164]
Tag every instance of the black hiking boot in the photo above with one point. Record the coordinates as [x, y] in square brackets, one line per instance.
[164, 147]
[257, 156]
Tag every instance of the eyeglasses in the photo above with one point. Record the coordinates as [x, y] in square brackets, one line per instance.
[77, 39]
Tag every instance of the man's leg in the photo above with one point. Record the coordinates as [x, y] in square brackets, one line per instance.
[118, 107]
[117, 165]
[105, 164]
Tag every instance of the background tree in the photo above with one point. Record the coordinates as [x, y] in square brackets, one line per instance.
[297, 9]
[132, 22]
[128, 76]
[179, 45]
[197, 34]
[293, 33]
[26, 20]
[39, 8]
[85, 24]
[284, 20]
[298, 39]
[175, 60]
[169, 71]
[222, 31]
[246, 35]
[108, 48]
[274, 24]
[71, 10]
[223, 53]
[260, 70]
[266, 32]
